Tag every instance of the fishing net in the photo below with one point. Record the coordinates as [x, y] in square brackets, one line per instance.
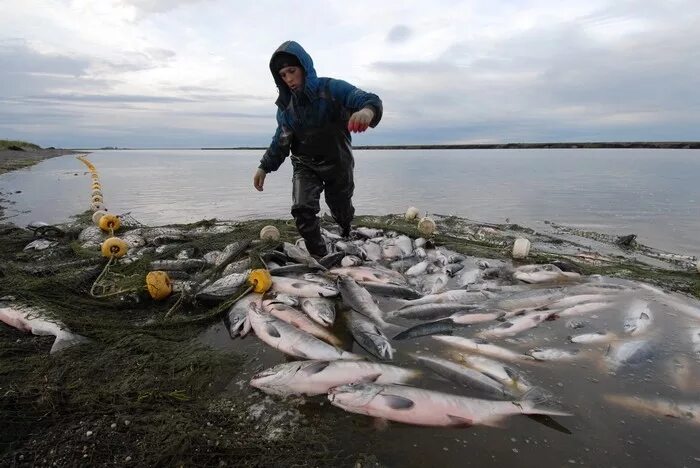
[145, 391]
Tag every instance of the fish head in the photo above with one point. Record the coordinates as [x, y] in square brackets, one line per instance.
[384, 348]
[327, 315]
[237, 324]
[354, 395]
[255, 310]
[630, 326]
[279, 298]
[275, 377]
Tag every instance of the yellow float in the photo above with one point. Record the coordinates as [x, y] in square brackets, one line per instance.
[109, 222]
[260, 280]
[159, 285]
[114, 247]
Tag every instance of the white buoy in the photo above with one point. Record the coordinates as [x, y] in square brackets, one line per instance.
[426, 226]
[97, 215]
[269, 233]
[412, 213]
[98, 207]
[521, 248]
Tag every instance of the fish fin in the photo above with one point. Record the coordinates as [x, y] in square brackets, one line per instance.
[370, 378]
[607, 350]
[458, 421]
[512, 374]
[397, 402]
[549, 422]
[66, 340]
[381, 424]
[298, 352]
[644, 316]
[272, 330]
[246, 327]
[316, 367]
[569, 339]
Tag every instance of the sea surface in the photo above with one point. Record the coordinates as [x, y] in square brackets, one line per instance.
[652, 193]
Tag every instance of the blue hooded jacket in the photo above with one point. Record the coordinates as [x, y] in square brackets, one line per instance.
[313, 123]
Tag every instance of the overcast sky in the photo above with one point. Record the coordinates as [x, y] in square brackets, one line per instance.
[192, 73]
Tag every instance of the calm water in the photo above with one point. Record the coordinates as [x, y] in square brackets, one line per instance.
[652, 193]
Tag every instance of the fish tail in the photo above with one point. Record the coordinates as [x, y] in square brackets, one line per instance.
[66, 340]
[391, 329]
[539, 401]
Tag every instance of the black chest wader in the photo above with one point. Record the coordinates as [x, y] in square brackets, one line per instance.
[323, 162]
[311, 177]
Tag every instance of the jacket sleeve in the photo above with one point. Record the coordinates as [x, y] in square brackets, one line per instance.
[279, 148]
[355, 99]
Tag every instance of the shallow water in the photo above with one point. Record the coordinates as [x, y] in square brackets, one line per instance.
[652, 193]
[598, 434]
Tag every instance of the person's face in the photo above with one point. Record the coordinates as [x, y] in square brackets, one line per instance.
[293, 77]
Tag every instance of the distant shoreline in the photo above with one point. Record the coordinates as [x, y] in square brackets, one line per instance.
[573, 145]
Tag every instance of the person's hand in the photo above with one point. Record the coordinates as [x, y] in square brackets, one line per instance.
[259, 180]
[360, 120]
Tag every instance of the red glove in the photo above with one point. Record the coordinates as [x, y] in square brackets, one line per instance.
[360, 120]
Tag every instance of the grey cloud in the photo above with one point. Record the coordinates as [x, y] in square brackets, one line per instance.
[119, 98]
[16, 57]
[399, 33]
[560, 81]
[204, 93]
[160, 54]
[223, 114]
[147, 59]
[160, 6]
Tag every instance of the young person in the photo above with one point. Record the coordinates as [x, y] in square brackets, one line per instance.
[314, 119]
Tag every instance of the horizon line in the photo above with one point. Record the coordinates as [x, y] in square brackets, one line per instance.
[543, 145]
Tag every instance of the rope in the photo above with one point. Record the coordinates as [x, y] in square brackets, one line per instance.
[100, 276]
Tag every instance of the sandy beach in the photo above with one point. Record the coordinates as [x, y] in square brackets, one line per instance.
[12, 160]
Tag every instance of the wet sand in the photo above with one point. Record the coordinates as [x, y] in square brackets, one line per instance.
[13, 160]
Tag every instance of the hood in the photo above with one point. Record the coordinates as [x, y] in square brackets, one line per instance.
[310, 78]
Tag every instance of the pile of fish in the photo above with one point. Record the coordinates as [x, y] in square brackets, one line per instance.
[487, 325]
[490, 321]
